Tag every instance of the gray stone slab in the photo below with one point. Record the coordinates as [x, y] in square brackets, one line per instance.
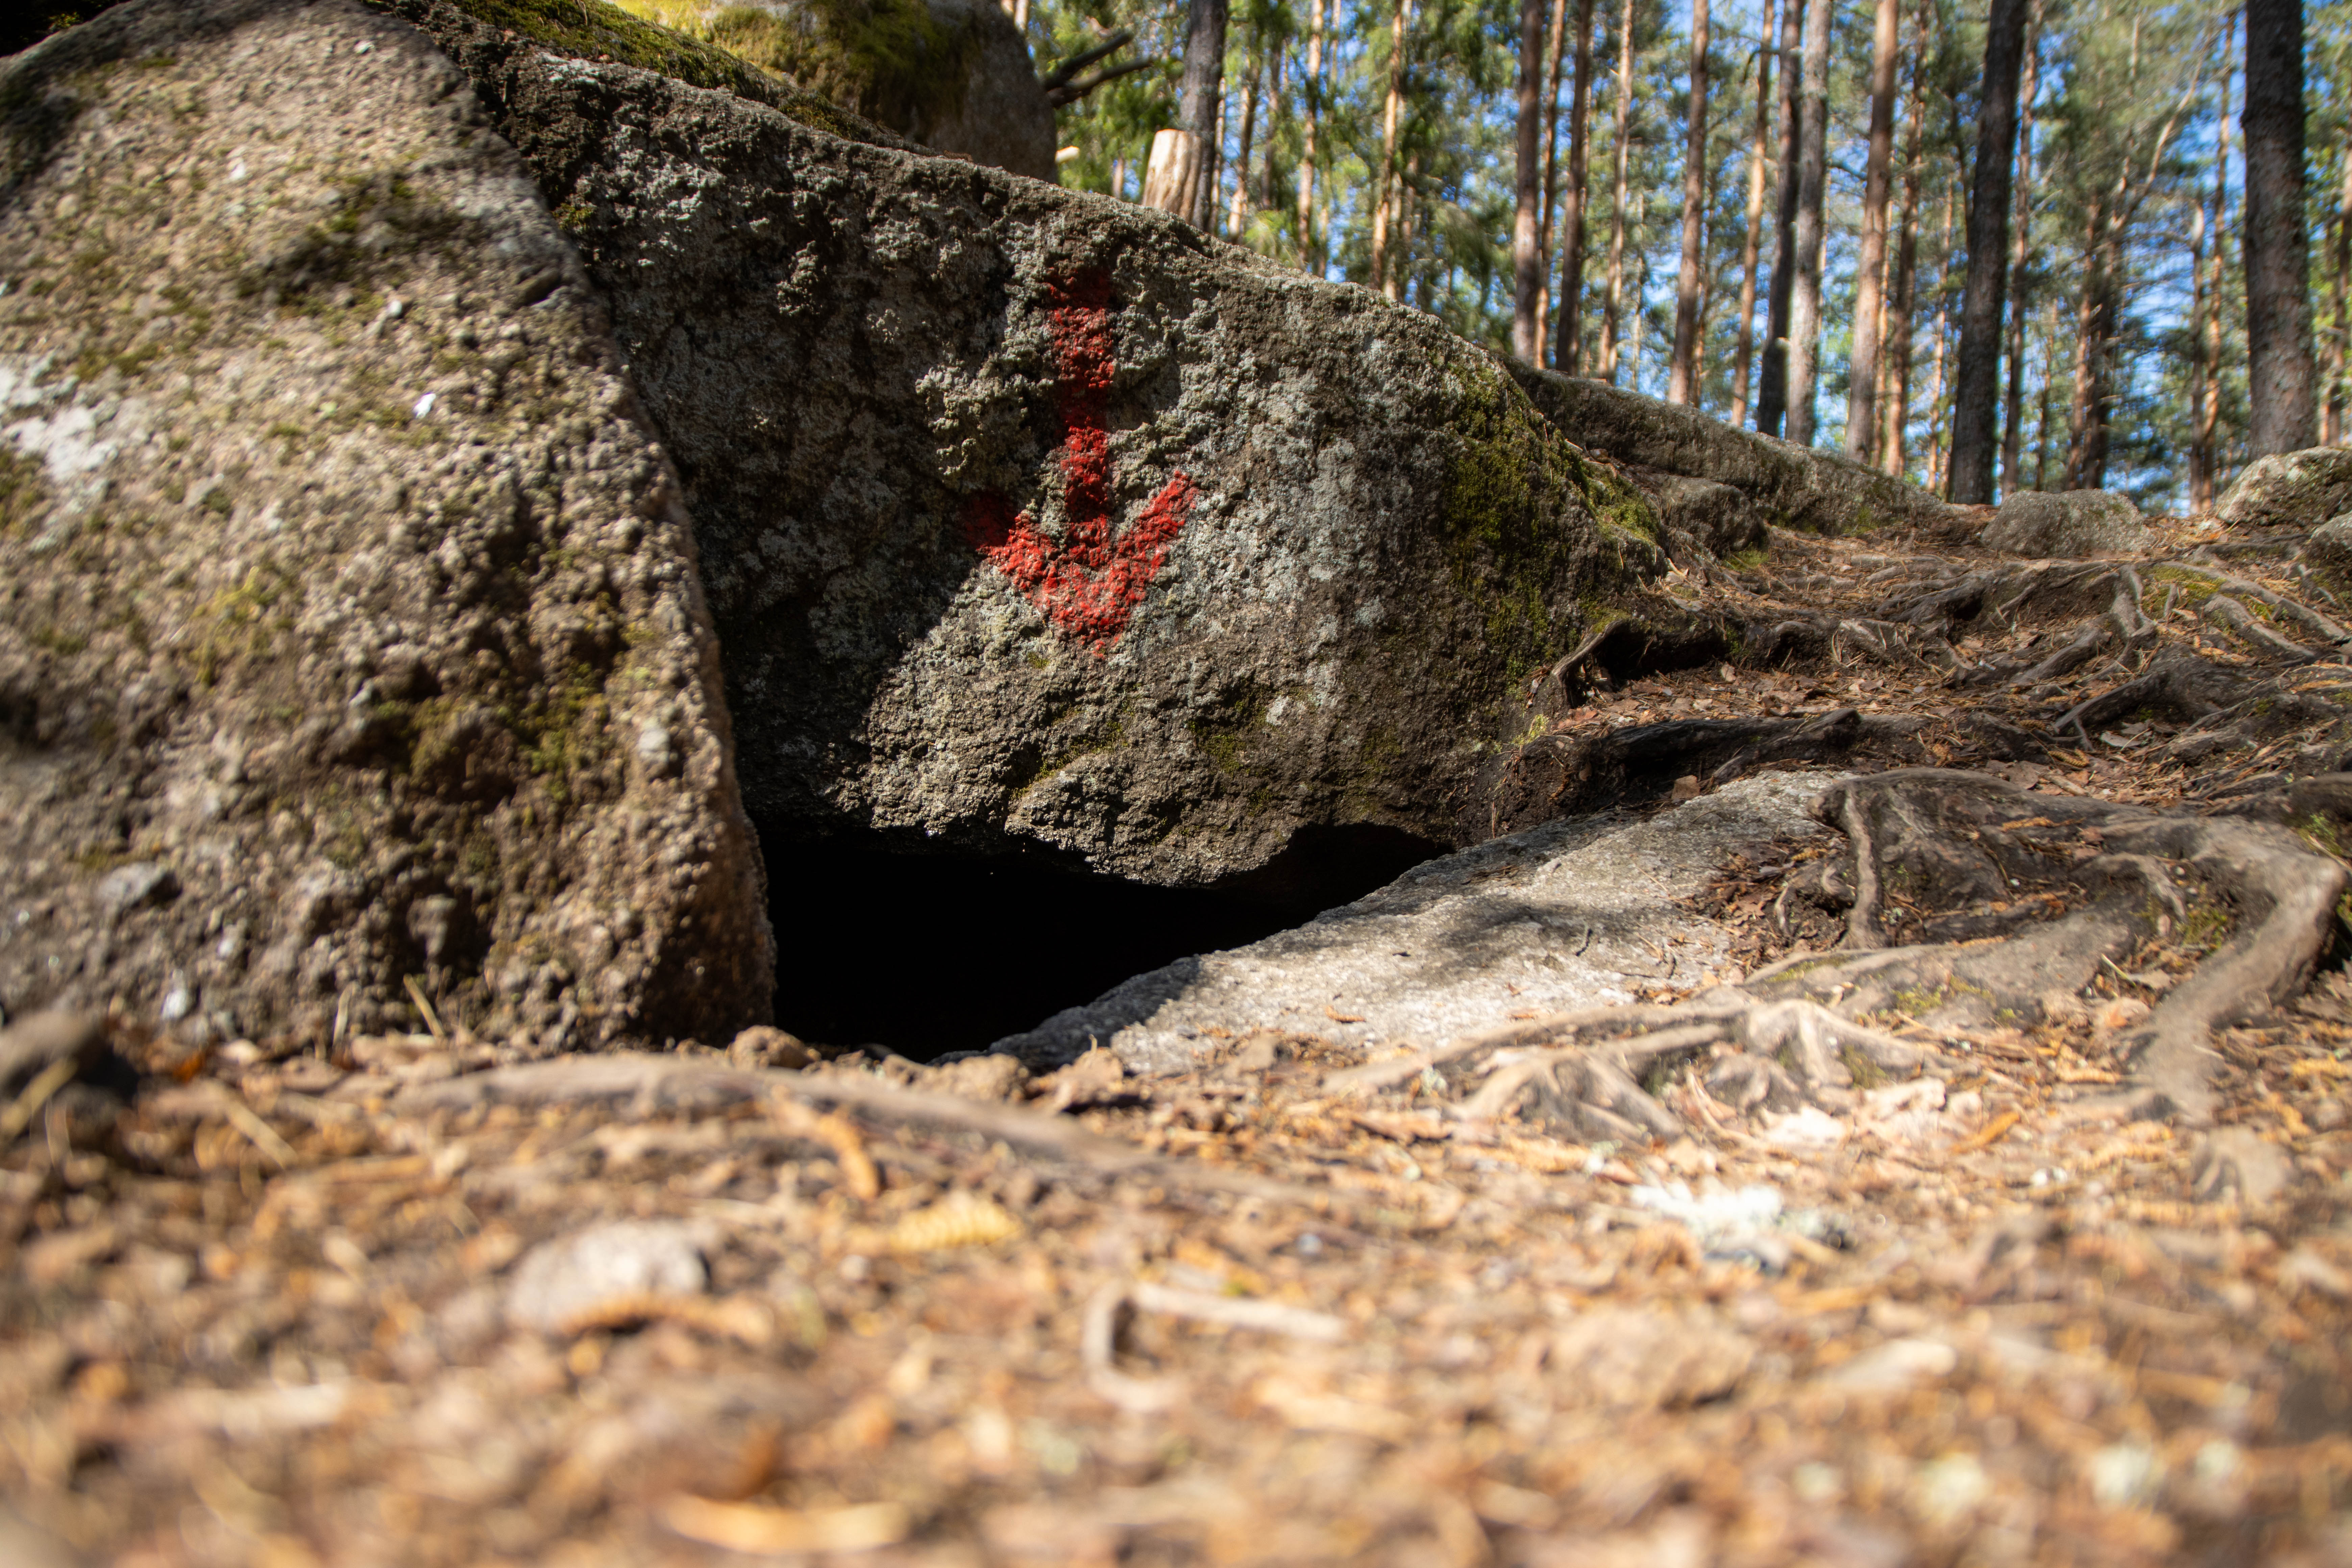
[1570, 914]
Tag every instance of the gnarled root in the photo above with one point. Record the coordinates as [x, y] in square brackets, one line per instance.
[1970, 903]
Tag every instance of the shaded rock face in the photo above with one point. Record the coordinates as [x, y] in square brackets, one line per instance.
[2300, 489]
[953, 75]
[1033, 520]
[1789, 486]
[2328, 552]
[1570, 914]
[2066, 525]
[349, 635]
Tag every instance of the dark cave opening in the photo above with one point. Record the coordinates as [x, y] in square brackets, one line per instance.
[880, 940]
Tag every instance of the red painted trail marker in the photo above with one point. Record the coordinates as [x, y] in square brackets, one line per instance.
[1088, 582]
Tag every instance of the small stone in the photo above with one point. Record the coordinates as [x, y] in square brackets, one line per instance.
[2118, 1014]
[986, 1077]
[136, 886]
[762, 1047]
[1687, 788]
[2326, 1114]
[578, 1280]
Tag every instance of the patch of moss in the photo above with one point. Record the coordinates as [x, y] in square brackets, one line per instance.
[247, 619]
[889, 60]
[1223, 731]
[1747, 560]
[1505, 509]
[24, 489]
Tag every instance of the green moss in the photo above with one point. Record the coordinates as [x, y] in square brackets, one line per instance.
[246, 620]
[889, 60]
[1511, 491]
[24, 491]
[1747, 560]
[574, 214]
[2319, 831]
[1224, 731]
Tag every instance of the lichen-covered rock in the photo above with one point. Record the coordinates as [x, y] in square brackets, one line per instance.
[2065, 525]
[2298, 489]
[349, 635]
[1031, 518]
[953, 75]
[1798, 487]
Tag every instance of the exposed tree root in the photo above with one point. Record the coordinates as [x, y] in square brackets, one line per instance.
[1960, 904]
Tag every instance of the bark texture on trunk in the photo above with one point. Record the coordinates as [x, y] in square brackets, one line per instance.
[2020, 249]
[1812, 179]
[1556, 49]
[2280, 368]
[1682, 378]
[1862, 395]
[1570, 353]
[1894, 400]
[1759, 154]
[1527, 219]
[2339, 336]
[1610, 328]
[1772, 396]
[1310, 254]
[1237, 219]
[2204, 452]
[1203, 99]
[1976, 377]
[1391, 125]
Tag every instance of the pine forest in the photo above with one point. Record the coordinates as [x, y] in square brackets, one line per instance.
[1635, 191]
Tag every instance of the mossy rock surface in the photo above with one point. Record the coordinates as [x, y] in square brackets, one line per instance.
[349, 632]
[1795, 487]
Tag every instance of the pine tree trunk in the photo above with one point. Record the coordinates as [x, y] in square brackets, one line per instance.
[2280, 371]
[1392, 124]
[2041, 415]
[1895, 397]
[1812, 182]
[1237, 219]
[1557, 47]
[1976, 378]
[2204, 451]
[1527, 217]
[2019, 252]
[1610, 318]
[1772, 394]
[1862, 395]
[1203, 98]
[1309, 254]
[1269, 176]
[2339, 337]
[1743, 362]
[2086, 457]
[2198, 305]
[1569, 332]
[1682, 374]
[1937, 468]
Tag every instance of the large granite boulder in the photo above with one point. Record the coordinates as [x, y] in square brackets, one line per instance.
[2065, 525]
[350, 643]
[2299, 490]
[1034, 520]
[1789, 486]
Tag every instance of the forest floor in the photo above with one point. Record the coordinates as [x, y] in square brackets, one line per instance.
[1809, 1265]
